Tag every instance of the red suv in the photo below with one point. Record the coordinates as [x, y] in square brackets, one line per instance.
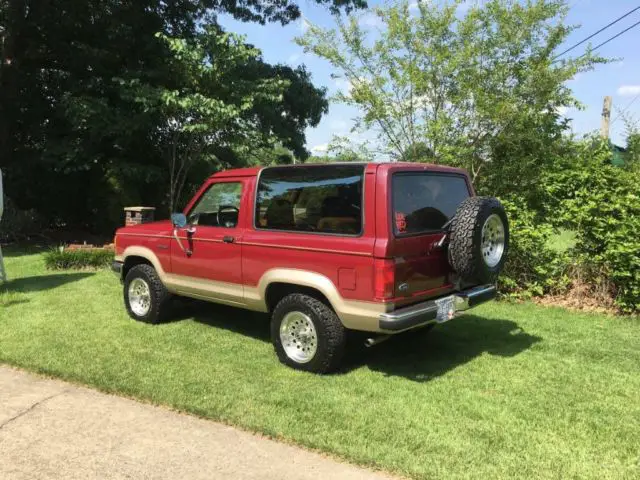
[378, 247]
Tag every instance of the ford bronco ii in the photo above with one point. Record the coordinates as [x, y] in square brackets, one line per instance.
[379, 247]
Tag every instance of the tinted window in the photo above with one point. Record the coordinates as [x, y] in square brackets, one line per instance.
[425, 201]
[219, 206]
[325, 199]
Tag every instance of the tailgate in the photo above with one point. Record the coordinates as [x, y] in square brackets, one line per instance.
[422, 202]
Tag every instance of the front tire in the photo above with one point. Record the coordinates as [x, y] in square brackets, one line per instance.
[307, 334]
[145, 296]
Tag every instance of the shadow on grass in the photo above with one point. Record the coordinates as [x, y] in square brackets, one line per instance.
[419, 355]
[241, 321]
[20, 250]
[424, 355]
[42, 282]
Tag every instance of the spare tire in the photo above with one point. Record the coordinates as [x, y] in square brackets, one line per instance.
[479, 239]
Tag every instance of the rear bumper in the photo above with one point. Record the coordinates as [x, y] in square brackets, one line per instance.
[437, 310]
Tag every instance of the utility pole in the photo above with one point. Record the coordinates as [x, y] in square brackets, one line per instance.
[606, 117]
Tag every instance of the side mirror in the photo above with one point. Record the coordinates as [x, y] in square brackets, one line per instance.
[179, 220]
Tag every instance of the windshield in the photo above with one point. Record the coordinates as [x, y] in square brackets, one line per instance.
[424, 202]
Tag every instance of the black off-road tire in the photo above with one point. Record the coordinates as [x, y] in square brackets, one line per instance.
[332, 336]
[465, 239]
[159, 294]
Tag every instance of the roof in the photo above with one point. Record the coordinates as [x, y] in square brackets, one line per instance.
[253, 171]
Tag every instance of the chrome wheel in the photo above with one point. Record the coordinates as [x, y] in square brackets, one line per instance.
[492, 240]
[139, 297]
[298, 337]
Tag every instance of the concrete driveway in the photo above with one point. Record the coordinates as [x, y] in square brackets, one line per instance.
[52, 429]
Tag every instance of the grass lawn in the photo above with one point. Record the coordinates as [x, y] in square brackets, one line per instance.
[512, 391]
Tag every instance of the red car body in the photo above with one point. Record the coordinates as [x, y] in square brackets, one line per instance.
[352, 264]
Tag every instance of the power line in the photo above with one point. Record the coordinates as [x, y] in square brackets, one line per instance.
[625, 108]
[596, 33]
[612, 38]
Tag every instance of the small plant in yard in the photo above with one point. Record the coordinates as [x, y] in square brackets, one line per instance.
[64, 259]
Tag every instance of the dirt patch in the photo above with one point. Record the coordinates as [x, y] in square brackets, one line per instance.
[597, 294]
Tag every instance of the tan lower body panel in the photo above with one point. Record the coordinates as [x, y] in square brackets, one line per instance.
[220, 292]
[354, 314]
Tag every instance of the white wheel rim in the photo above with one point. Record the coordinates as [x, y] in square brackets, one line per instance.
[298, 337]
[492, 240]
[139, 297]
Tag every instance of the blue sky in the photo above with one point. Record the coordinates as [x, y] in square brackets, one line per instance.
[620, 79]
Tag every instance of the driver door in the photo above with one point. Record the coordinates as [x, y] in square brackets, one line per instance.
[207, 263]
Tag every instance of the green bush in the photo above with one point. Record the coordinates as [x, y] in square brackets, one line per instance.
[601, 202]
[532, 268]
[64, 259]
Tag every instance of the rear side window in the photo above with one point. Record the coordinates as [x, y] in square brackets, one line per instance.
[424, 202]
[322, 199]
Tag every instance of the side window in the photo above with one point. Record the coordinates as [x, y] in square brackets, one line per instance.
[219, 206]
[323, 199]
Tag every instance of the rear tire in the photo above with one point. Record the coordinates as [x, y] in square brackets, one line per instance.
[145, 296]
[479, 239]
[307, 334]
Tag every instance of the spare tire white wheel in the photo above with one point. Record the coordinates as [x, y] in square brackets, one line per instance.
[479, 239]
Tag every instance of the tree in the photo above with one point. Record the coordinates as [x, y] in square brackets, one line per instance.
[215, 106]
[78, 138]
[475, 90]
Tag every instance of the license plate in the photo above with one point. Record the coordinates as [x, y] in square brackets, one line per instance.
[446, 309]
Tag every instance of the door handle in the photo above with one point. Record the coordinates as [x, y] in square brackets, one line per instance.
[228, 239]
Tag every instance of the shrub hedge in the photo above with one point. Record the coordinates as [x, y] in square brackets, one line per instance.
[532, 267]
[65, 259]
[601, 202]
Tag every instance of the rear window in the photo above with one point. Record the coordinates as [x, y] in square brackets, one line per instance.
[325, 199]
[424, 202]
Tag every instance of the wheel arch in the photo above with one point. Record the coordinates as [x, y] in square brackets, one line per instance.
[276, 291]
[275, 284]
[136, 255]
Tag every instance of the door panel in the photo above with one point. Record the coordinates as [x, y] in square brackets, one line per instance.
[213, 268]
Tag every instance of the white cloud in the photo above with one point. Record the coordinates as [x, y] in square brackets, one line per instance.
[322, 148]
[293, 58]
[628, 90]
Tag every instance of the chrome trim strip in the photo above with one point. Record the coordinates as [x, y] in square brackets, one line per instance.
[153, 235]
[308, 249]
[150, 235]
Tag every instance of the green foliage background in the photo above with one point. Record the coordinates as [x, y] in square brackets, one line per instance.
[106, 103]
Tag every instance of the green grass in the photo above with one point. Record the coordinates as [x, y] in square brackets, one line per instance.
[512, 391]
[563, 240]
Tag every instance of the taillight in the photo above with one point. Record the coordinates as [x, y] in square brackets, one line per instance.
[384, 279]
